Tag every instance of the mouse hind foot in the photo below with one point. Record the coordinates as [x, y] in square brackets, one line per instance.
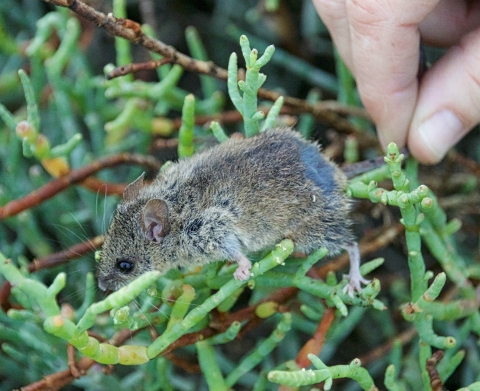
[355, 278]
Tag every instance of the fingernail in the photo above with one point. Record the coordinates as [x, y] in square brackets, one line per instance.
[440, 132]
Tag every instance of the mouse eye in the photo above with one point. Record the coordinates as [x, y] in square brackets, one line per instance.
[124, 266]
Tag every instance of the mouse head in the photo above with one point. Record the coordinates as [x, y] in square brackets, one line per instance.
[133, 242]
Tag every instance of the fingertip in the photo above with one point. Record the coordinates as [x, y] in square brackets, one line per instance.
[430, 140]
[420, 149]
[387, 136]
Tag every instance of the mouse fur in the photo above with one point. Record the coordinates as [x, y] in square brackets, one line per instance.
[236, 198]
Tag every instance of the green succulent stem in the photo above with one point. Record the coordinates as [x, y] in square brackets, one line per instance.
[246, 104]
[33, 116]
[208, 363]
[324, 373]
[272, 115]
[218, 132]
[185, 134]
[261, 351]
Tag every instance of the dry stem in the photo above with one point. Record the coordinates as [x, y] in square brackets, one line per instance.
[64, 256]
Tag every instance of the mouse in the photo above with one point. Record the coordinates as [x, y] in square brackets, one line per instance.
[234, 199]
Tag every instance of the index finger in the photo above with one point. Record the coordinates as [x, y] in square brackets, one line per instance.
[385, 52]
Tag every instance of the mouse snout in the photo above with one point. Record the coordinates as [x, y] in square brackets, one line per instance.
[108, 282]
[103, 285]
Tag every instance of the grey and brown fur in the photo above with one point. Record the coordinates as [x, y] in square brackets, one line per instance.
[239, 197]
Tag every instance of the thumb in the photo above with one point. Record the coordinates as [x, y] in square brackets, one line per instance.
[448, 104]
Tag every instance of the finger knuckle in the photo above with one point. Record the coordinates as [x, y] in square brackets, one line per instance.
[367, 14]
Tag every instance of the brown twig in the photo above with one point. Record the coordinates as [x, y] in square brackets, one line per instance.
[123, 28]
[60, 379]
[64, 256]
[431, 365]
[315, 344]
[4, 295]
[142, 66]
[75, 176]
[72, 364]
[105, 188]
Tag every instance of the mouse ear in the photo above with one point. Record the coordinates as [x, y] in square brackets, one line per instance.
[133, 189]
[154, 220]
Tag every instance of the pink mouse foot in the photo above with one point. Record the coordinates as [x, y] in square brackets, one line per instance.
[355, 278]
[243, 270]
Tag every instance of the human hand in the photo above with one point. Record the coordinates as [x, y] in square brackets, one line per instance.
[379, 41]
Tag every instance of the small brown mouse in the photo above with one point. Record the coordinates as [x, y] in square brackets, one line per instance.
[239, 197]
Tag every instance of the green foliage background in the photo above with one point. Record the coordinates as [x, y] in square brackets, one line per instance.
[65, 58]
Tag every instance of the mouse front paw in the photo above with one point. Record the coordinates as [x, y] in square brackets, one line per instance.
[243, 270]
[241, 274]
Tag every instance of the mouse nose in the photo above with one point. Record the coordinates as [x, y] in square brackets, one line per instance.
[102, 284]
[106, 284]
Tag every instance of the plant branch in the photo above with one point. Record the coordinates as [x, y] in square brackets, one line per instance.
[132, 68]
[66, 255]
[435, 381]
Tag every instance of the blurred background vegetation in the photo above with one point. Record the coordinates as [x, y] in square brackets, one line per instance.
[66, 57]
